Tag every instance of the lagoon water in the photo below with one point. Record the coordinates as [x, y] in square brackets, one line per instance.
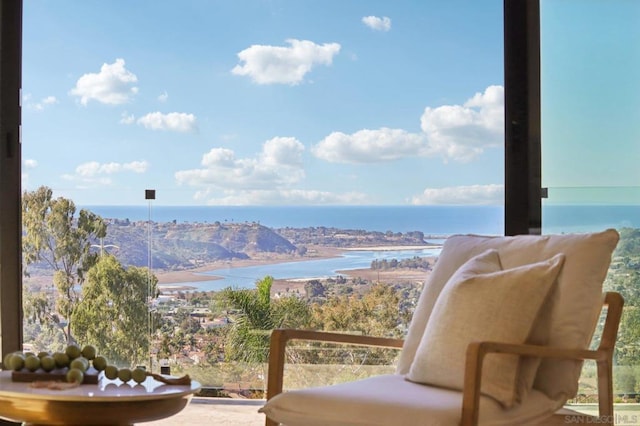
[246, 277]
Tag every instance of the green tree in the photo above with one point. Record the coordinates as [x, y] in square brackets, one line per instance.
[113, 312]
[375, 313]
[55, 237]
[186, 322]
[257, 315]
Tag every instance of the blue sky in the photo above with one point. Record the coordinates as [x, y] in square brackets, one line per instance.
[264, 102]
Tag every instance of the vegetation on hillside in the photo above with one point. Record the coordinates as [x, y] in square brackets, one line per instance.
[624, 277]
[55, 237]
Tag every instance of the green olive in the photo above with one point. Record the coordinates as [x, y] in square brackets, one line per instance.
[111, 372]
[32, 362]
[124, 374]
[16, 362]
[139, 375]
[89, 352]
[75, 375]
[99, 363]
[47, 363]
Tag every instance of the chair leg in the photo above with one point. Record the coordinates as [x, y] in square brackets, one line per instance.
[605, 391]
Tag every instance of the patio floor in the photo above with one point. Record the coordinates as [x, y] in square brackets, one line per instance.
[216, 411]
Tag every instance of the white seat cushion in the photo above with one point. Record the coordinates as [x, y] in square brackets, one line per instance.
[390, 400]
[577, 296]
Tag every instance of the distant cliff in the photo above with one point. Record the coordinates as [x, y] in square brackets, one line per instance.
[183, 245]
[334, 237]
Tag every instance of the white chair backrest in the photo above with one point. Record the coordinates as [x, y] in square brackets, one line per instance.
[569, 318]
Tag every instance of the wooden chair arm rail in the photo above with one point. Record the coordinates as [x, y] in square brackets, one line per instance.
[284, 335]
[480, 349]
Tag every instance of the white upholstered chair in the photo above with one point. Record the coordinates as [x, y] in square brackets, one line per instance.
[538, 297]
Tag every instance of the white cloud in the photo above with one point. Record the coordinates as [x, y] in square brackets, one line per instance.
[94, 168]
[93, 174]
[173, 121]
[279, 164]
[279, 197]
[368, 146]
[461, 132]
[461, 195]
[376, 23]
[284, 65]
[163, 96]
[453, 132]
[39, 105]
[88, 181]
[127, 118]
[24, 176]
[136, 166]
[30, 164]
[265, 179]
[50, 100]
[112, 85]
[282, 151]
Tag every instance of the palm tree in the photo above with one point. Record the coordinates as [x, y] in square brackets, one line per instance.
[255, 315]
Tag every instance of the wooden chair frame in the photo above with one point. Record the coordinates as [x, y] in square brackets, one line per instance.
[476, 352]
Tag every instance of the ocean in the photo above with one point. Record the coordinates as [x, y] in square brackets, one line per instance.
[434, 221]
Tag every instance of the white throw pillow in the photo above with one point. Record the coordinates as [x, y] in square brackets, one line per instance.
[483, 302]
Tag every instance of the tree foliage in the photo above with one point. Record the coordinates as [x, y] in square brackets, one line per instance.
[113, 312]
[53, 235]
[255, 316]
[624, 277]
[373, 313]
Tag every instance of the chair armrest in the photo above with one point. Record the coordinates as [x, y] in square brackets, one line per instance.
[603, 356]
[280, 337]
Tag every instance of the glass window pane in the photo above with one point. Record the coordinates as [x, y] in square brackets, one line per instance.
[590, 57]
[279, 136]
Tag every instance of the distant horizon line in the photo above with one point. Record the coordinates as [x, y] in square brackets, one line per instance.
[353, 205]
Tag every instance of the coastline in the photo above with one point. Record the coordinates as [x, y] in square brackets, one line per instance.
[394, 248]
[170, 281]
[167, 278]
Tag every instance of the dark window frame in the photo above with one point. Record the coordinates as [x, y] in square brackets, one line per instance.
[522, 148]
[10, 176]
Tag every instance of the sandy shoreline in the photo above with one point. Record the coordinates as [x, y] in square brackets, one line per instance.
[194, 275]
[393, 248]
[170, 280]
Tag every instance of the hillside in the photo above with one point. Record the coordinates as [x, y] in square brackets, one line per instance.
[177, 246]
[184, 245]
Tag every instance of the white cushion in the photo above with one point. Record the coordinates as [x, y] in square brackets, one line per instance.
[577, 298]
[390, 400]
[483, 302]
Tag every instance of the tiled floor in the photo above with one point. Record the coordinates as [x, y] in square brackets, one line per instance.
[216, 411]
